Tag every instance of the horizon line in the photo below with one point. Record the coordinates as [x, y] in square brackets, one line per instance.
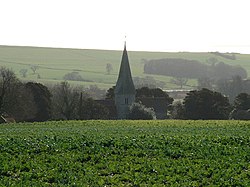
[102, 49]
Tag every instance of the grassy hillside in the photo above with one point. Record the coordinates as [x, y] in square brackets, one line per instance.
[125, 153]
[54, 63]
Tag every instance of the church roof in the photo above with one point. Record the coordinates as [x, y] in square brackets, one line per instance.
[124, 84]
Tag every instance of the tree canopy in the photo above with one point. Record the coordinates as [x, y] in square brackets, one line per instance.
[206, 104]
[143, 92]
[242, 101]
[241, 107]
[192, 69]
[42, 99]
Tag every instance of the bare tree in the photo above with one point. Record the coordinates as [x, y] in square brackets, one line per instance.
[23, 72]
[65, 101]
[15, 100]
[34, 68]
[179, 81]
[109, 68]
[8, 81]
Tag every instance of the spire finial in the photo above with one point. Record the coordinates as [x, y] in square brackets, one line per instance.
[125, 42]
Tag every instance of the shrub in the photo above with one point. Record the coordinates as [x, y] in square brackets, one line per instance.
[138, 111]
[73, 76]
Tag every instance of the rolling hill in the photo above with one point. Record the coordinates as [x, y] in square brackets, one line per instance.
[53, 63]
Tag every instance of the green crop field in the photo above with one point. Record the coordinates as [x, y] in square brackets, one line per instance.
[125, 153]
[54, 63]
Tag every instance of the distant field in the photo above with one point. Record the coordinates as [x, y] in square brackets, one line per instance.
[125, 153]
[54, 63]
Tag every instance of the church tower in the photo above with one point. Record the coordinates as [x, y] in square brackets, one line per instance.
[124, 89]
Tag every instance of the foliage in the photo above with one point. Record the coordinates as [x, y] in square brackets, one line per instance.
[110, 94]
[23, 72]
[179, 81]
[175, 68]
[65, 101]
[151, 92]
[225, 71]
[138, 111]
[177, 110]
[15, 100]
[89, 109]
[241, 107]
[20, 104]
[143, 92]
[242, 101]
[95, 92]
[150, 97]
[34, 68]
[206, 104]
[8, 82]
[183, 68]
[125, 153]
[205, 82]
[73, 76]
[74, 103]
[239, 114]
[233, 87]
[42, 100]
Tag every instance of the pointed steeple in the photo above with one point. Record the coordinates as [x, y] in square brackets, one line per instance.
[124, 84]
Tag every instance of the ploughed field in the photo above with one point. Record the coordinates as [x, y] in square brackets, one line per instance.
[125, 153]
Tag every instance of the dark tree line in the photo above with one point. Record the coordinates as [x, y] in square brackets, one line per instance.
[23, 101]
[35, 102]
[233, 87]
[241, 107]
[138, 110]
[143, 92]
[192, 69]
[228, 87]
[206, 105]
[15, 99]
[72, 103]
[202, 104]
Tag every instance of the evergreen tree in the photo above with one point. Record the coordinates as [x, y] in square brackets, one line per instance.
[206, 104]
[241, 108]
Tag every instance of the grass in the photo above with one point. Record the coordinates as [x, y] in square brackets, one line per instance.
[125, 153]
[54, 63]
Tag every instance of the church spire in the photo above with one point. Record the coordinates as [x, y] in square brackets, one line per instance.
[125, 83]
[124, 89]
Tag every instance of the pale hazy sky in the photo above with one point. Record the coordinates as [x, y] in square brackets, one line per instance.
[153, 25]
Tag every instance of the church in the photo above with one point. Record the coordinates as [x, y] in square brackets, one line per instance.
[124, 89]
[125, 93]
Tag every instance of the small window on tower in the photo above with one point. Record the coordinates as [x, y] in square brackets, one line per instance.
[126, 101]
